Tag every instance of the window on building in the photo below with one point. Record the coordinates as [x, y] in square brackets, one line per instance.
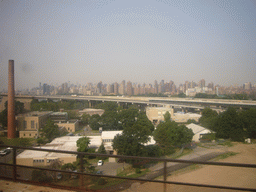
[24, 124]
[32, 124]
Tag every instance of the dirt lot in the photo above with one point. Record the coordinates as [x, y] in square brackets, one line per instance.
[214, 175]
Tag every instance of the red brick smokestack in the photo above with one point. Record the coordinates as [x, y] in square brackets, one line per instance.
[11, 105]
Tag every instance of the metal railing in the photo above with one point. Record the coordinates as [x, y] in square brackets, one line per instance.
[81, 172]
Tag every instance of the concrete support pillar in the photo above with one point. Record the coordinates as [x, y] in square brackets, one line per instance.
[90, 104]
[11, 133]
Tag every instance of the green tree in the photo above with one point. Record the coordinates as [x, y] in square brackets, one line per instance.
[169, 134]
[68, 167]
[167, 116]
[249, 122]
[107, 106]
[83, 144]
[40, 176]
[129, 116]
[192, 121]
[94, 122]
[102, 150]
[229, 125]
[50, 130]
[85, 119]
[132, 140]
[19, 108]
[208, 118]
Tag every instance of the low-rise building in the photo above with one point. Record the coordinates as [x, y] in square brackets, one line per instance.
[198, 131]
[156, 115]
[29, 124]
[68, 143]
[70, 125]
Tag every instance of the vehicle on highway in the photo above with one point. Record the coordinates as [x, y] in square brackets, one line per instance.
[100, 163]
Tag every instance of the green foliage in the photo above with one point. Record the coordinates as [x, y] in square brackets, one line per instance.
[205, 95]
[19, 108]
[169, 134]
[102, 149]
[68, 167]
[109, 120]
[137, 171]
[50, 130]
[135, 134]
[85, 119]
[208, 118]
[24, 142]
[153, 151]
[41, 140]
[72, 114]
[3, 118]
[82, 144]
[192, 121]
[129, 116]
[249, 122]
[94, 122]
[209, 137]
[102, 181]
[229, 125]
[56, 106]
[167, 116]
[107, 106]
[181, 95]
[40, 176]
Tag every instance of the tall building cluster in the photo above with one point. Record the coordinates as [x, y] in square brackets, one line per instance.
[190, 88]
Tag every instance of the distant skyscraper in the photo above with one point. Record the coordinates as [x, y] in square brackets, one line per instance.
[247, 85]
[211, 85]
[122, 88]
[129, 88]
[201, 83]
[156, 87]
[116, 88]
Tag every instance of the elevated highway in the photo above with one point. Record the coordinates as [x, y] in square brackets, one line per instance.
[217, 104]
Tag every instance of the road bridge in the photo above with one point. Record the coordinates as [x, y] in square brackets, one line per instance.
[216, 104]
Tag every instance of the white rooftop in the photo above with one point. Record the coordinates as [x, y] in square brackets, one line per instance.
[110, 134]
[196, 128]
[66, 143]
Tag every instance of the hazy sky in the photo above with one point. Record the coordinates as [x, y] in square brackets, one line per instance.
[138, 40]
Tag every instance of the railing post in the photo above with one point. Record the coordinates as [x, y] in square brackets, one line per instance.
[165, 175]
[81, 177]
[14, 163]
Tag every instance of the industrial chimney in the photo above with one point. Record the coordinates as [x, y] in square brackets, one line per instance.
[11, 105]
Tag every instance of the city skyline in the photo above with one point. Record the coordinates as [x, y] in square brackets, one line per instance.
[110, 41]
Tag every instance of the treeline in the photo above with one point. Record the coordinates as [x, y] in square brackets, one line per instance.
[230, 124]
[242, 96]
[56, 106]
[115, 117]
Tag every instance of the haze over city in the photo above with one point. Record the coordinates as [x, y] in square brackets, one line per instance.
[90, 41]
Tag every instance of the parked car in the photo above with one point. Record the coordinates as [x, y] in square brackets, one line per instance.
[100, 163]
[59, 176]
[5, 151]
[73, 175]
[99, 172]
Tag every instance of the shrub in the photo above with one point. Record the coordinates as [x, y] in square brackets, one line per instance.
[102, 181]
[138, 171]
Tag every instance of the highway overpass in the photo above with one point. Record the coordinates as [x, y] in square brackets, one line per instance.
[217, 104]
